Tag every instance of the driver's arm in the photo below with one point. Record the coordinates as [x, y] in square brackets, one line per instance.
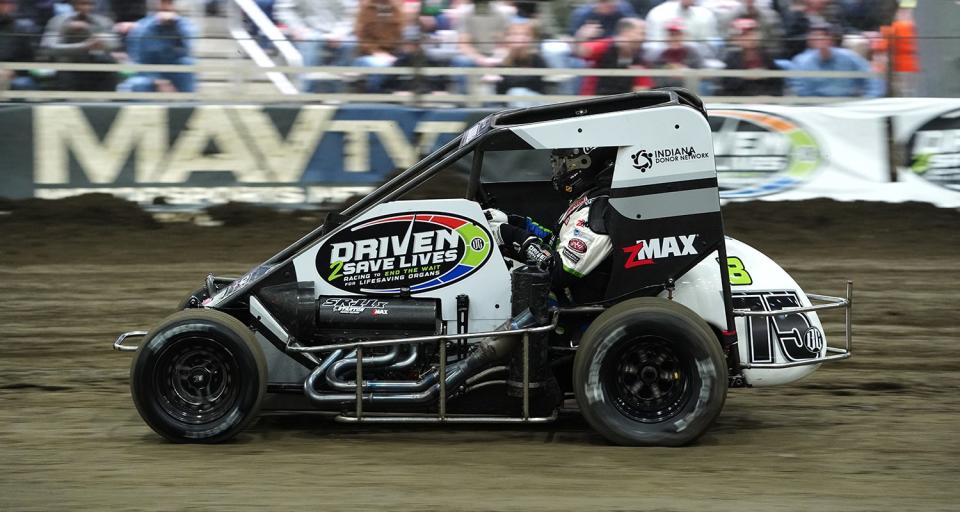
[520, 238]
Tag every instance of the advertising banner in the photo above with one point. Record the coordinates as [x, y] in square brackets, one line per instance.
[195, 155]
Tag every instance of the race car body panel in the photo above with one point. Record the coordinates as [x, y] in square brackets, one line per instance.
[431, 248]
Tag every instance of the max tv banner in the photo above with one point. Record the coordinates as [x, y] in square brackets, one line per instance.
[196, 155]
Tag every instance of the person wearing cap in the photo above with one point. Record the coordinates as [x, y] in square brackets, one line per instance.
[678, 55]
[699, 26]
[824, 55]
[745, 51]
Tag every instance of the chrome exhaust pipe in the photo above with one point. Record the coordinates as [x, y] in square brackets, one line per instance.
[427, 389]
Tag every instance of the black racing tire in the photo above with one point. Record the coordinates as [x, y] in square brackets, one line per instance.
[198, 377]
[650, 372]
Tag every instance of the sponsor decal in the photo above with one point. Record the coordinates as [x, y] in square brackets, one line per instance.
[347, 306]
[737, 272]
[577, 245]
[934, 151]
[568, 254]
[642, 160]
[420, 251]
[646, 252]
[797, 338]
[678, 154]
[758, 153]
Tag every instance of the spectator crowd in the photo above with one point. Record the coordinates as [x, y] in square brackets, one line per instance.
[642, 35]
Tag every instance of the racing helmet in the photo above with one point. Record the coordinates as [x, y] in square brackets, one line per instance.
[575, 170]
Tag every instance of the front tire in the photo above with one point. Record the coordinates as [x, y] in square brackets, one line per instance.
[198, 377]
[650, 372]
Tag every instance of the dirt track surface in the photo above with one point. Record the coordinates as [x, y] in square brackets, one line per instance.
[878, 432]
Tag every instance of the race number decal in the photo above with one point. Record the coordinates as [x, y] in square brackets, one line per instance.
[738, 273]
[798, 339]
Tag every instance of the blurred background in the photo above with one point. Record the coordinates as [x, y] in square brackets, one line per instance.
[146, 143]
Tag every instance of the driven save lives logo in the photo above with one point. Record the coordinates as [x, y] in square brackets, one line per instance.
[934, 150]
[419, 251]
[759, 153]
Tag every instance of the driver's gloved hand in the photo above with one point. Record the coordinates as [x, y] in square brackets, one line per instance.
[498, 219]
[536, 252]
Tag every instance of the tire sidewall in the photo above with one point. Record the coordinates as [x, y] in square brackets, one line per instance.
[688, 338]
[250, 376]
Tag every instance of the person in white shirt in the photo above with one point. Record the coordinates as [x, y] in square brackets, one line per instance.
[700, 23]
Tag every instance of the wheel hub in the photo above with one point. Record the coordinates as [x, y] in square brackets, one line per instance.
[646, 379]
[196, 380]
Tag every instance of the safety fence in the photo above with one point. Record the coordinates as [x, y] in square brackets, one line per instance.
[479, 89]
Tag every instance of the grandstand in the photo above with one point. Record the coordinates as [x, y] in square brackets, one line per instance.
[457, 51]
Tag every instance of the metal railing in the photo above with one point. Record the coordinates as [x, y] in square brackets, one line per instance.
[248, 43]
[476, 96]
[836, 354]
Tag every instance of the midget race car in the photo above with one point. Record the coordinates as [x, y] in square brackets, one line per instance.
[406, 311]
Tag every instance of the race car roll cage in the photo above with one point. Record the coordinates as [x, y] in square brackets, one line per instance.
[490, 134]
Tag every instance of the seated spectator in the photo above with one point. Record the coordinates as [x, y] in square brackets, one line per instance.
[601, 16]
[768, 22]
[747, 51]
[804, 14]
[699, 22]
[17, 39]
[823, 55]
[622, 51]
[481, 27]
[82, 37]
[324, 34]
[522, 52]
[678, 55]
[163, 37]
[379, 31]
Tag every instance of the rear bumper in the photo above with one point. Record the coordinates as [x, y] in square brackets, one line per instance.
[819, 303]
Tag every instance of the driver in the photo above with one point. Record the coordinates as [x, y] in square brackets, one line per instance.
[578, 254]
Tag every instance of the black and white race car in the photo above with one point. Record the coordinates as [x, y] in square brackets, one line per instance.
[406, 311]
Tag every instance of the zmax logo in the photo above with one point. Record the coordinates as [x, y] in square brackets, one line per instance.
[646, 252]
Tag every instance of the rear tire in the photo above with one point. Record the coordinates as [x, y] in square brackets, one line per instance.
[650, 372]
[198, 377]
